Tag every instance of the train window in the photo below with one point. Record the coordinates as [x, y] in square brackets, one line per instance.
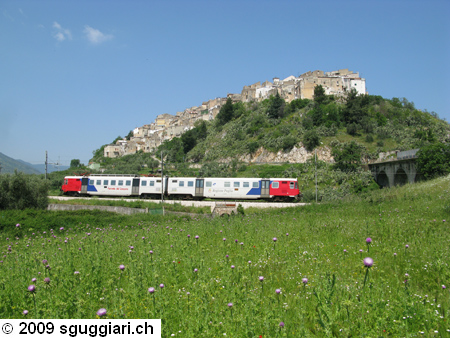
[226, 184]
[245, 184]
[159, 181]
[190, 183]
[174, 181]
[255, 185]
[296, 185]
[105, 182]
[128, 183]
[291, 185]
[91, 182]
[99, 182]
[181, 184]
[113, 182]
[152, 183]
[208, 184]
[236, 184]
[66, 181]
[275, 185]
[284, 182]
[143, 183]
[120, 182]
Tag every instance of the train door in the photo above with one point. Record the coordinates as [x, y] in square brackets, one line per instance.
[84, 185]
[265, 188]
[199, 184]
[135, 187]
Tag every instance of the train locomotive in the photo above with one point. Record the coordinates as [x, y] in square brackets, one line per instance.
[274, 189]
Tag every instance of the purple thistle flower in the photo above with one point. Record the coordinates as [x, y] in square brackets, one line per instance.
[44, 262]
[249, 262]
[281, 324]
[76, 273]
[444, 287]
[277, 291]
[32, 288]
[261, 278]
[18, 225]
[368, 240]
[230, 304]
[195, 270]
[189, 236]
[33, 280]
[151, 252]
[232, 266]
[25, 312]
[47, 280]
[161, 286]
[305, 280]
[122, 267]
[197, 236]
[368, 262]
[151, 290]
[235, 240]
[101, 312]
[224, 239]
[406, 246]
[274, 239]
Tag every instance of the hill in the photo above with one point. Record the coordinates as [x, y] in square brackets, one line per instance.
[9, 165]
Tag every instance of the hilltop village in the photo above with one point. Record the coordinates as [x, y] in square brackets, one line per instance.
[167, 126]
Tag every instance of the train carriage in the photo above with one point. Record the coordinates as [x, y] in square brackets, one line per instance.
[276, 189]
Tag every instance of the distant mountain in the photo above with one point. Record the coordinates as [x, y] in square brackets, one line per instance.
[9, 165]
[51, 168]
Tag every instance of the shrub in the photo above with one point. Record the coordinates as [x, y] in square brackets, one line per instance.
[311, 140]
[21, 191]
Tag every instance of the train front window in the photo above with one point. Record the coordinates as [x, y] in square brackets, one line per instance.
[291, 185]
[105, 182]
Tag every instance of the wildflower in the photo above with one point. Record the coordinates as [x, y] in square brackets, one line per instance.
[25, 312]
[368, 262]
[368, 240]
[261, 278]
[224, 239]
[61, 229]
[76, 272]
[195, 270]
[32, 288]
[151, 252]
[274, 239]
[122, 267]
[197, 237]
[444, 287]
[47, 280]
[33, 280]
[232, 266]
[44, 262]
[161, 286]
[305, 280]
[151, 290]
[281, 324]
[101, 312]
[277, 291]
[18, 225]
[230, 304]
[406, 246]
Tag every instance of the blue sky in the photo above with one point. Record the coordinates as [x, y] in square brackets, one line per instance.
[77, 74]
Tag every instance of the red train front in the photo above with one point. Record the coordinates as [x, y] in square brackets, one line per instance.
[284, 189]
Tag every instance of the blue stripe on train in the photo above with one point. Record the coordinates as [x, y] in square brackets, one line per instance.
[91, 188]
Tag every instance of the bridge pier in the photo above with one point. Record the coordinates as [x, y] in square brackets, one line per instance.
[397, 172]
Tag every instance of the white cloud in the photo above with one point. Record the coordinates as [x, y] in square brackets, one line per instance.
[60, 33]
[95, 36]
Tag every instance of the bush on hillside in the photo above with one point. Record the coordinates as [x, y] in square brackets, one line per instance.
[434, 160]
[21, 191]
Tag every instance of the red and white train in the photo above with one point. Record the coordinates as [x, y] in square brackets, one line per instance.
[275, 189]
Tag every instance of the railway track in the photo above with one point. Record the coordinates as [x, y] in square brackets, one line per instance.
[212, 204]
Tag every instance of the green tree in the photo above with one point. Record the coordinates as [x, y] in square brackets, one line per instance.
[311, 140]
[276, 107]
[434, 160]
[75, 163]
[319, 95]
[226, 113]
[347, 156]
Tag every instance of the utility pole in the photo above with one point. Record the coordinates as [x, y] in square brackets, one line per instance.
[315, 171]
[47, 163]
[0, 168]
[162, 182]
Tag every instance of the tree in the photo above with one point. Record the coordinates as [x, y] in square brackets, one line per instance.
[319, 95]
[226, 113]
[434, 160]
[347, 156]
[75, 163]
[276, 107]
[311, 140]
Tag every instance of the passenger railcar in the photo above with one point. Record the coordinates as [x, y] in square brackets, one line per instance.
[277, 189]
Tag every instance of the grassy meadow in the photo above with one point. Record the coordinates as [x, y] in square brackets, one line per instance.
[295, 272]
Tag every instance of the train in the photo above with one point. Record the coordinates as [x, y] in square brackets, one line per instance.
[194, 188]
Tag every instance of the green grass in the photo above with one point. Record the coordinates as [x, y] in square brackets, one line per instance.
[341, 298]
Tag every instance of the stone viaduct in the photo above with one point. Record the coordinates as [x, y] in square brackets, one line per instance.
[398, 171]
